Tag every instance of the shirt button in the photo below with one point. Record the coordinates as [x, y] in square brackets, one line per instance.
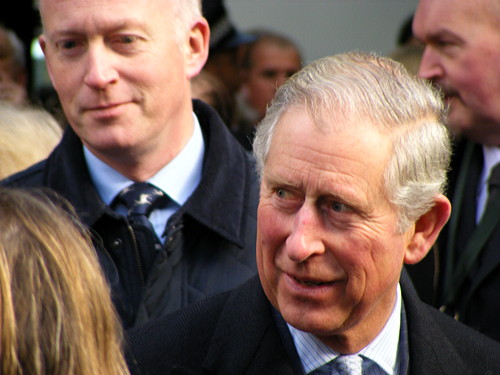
[116, 244]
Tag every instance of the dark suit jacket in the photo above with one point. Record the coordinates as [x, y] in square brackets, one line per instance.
[210, 242]
[477, 298]
[235, 333]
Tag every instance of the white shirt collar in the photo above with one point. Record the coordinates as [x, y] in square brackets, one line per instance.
[178, 179]
[383, 350]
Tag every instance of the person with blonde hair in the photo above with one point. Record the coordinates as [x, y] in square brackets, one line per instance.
[27, 135]
[56, 312]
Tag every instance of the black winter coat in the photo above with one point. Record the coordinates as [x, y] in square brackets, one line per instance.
[211, 240]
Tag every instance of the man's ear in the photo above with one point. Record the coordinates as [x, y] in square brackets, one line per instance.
[426, 230]
[42, 42]
[197, 47]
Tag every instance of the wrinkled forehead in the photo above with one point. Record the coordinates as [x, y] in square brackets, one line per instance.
[74, 16]
[457, 12]
[165, 5]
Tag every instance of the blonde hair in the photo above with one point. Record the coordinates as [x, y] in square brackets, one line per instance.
[27, 135]
[56, 312]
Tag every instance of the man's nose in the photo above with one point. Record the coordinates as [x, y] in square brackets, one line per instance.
[305, 240]
[430, 67]
[100, 70]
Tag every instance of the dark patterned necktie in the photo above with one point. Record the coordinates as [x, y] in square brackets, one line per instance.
[493, 184]
[140, 199]
[347, 365]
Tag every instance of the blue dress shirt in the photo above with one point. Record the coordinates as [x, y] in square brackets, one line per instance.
[178, 179]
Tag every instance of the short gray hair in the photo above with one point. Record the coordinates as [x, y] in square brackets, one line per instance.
[358, 86]
[184, 12]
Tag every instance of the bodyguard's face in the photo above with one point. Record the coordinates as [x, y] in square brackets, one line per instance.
[462, 56]
[118, 69]
[328, 250]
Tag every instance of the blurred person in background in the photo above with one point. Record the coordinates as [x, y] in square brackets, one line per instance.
[265, 65]
[13, 71]
[28, 134]
[227, 43]
[210, 89]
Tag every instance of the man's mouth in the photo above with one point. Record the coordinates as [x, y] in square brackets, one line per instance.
[310, 283]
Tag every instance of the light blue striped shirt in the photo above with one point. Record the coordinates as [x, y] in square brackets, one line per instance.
[383, 350]
[178, 179]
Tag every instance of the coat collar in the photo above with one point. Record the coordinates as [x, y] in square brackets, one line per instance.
[257, 349]
[431, 351]
[68, 175]
[228, 179]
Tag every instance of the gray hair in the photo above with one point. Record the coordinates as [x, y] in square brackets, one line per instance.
[358, 86]
[184, 12]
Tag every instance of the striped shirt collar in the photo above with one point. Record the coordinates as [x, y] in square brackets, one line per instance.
[383, 350]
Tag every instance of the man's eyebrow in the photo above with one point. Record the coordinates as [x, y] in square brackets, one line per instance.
[112, 27]
[443, 33]
[274, 180]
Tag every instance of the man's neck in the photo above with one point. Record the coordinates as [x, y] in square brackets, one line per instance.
[141, 164]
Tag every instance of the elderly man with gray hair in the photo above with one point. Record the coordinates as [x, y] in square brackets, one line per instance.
[352, 156]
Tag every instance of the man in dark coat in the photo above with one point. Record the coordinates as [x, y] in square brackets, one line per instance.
[240, 333]
[352, 156]
[122, 71]
[462, 49]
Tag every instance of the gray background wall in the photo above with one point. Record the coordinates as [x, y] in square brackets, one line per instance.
[325, 27]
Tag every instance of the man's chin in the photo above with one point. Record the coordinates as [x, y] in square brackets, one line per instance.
[460, 120]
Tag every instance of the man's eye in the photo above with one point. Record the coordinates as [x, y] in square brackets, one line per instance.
[281, 193]
[443, 43]
[270, 74]
[340, 207]
[126, 43]
[67, 44]
[127, 39]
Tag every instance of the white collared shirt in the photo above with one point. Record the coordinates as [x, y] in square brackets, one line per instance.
[383, 350]
[491, 158]
[178, 179]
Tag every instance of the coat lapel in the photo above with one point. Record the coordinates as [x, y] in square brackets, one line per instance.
[246, 340]
[431, 352]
